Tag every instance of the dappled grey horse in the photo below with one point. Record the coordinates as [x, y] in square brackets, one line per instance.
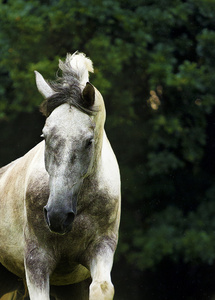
[60, 203]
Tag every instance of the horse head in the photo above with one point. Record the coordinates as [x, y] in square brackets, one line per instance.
[75, 117]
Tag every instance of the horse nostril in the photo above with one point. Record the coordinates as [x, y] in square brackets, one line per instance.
[46, 215]
[58, 221]
[69, 219]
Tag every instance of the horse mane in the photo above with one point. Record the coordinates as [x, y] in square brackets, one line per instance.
[68, 88]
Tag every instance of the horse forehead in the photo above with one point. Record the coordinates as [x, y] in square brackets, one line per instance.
[69, 121]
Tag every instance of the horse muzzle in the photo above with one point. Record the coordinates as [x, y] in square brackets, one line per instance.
[59, 221]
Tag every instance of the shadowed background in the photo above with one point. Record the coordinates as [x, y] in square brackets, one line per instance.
[154, 65]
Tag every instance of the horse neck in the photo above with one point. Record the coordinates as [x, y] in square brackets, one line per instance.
[99, 134]
[98, 147]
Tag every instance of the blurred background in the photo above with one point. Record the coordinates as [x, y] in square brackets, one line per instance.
[155, 67]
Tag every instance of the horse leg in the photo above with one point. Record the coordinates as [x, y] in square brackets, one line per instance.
[38, 267]
[37, 282]
[37, 291]
[100, 267]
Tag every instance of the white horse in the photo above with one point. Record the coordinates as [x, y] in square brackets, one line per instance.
[60, 202]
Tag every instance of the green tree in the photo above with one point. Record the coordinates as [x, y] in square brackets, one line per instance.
[154, 64]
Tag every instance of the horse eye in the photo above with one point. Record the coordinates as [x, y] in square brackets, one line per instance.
[89, 143]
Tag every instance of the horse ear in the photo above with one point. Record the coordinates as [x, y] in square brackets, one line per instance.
[88, 94]
[43, 87]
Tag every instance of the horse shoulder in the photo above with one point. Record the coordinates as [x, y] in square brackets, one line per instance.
[14, 183]
[12, 218]
[17, 170]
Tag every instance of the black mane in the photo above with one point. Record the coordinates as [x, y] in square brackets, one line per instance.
[66, 90]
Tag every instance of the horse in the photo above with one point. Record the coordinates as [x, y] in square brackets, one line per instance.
[60, 202]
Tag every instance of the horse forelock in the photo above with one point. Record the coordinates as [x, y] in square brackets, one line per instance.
[68, 87]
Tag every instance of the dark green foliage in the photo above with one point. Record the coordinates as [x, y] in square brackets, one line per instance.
[154, 64]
